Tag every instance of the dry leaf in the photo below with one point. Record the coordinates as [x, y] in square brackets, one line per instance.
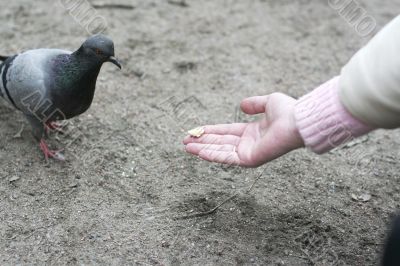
[361, 198]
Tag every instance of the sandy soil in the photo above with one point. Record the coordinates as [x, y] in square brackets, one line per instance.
[120, 196]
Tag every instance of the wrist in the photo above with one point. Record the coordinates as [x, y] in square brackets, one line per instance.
[294, 129]
[323, 122]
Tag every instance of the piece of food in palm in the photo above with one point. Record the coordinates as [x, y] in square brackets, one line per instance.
[196, 132]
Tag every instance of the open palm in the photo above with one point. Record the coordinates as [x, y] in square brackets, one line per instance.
[251, 144]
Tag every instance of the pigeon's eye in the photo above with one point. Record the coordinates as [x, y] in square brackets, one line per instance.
[98, 51]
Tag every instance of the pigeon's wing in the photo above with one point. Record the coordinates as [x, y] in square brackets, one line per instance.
[23, 79]
[4, 67]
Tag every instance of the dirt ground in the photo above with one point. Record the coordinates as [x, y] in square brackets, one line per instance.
[121, 196]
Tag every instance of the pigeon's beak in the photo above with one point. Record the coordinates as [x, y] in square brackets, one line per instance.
[114, 60]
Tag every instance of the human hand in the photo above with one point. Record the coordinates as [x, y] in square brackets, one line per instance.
[251, 144]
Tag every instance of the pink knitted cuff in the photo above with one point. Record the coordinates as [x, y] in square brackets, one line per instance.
[323, 121]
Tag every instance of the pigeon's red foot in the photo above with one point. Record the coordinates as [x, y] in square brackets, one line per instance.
[50, 153]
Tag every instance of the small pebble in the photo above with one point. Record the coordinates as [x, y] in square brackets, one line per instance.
[13, 178]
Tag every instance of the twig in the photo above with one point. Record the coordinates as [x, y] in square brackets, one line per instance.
[300, 257]
[181, 3]
[213, 210]
[18, 135]
[115, 6]
[201, 214]
[11, 238]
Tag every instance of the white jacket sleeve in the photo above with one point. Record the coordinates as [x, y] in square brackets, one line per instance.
[369, 85]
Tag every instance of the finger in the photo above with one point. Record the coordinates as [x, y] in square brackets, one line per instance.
[224, 157]
[254, 105]
[235, 129]
[213, 139]
[196, 148]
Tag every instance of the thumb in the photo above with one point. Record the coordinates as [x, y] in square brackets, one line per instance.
[254, 105]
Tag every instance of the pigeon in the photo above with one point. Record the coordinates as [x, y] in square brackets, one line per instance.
[50, 85]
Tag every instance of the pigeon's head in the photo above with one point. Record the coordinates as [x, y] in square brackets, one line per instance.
[101, 48]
